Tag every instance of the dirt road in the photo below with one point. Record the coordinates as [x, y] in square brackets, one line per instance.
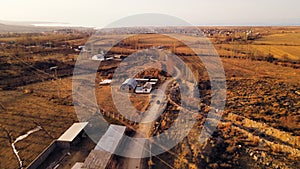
[137, 147]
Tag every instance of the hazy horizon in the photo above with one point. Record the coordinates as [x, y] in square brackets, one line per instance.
[200, 13]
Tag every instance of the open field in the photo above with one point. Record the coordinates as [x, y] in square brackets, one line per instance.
[23, 111]
[280, 39]
[283, 45]
[260, 125]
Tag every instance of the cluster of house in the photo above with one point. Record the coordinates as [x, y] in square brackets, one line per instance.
[177, 30]
[101, 56]
[138, 85]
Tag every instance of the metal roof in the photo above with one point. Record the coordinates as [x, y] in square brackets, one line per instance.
[129, 81]
[98, 57]
[106, 81]
[97, 160]
[77, 166]
[146, 89]
[111, 139]
[72, 132]
[132, 82]
[101, 155]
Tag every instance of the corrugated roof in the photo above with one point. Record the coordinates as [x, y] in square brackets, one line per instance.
[72, 132]
[111, 139]
[97, 160]
[101, 155]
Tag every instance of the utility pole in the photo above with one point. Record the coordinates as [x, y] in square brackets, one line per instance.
[150, 162]
[232, 45]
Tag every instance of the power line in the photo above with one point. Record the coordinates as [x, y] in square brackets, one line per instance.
[38, 71]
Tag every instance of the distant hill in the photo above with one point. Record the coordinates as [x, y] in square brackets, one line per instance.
[28, 27]
[4, 28]
[23, 23]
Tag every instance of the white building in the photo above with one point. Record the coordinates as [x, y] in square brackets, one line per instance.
[145, 89]
[99, 57]
[72, 135]
[105, 82]
[129, 85]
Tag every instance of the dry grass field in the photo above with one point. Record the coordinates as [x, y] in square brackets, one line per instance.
[261, 117]
[24, 111]
[283, 45]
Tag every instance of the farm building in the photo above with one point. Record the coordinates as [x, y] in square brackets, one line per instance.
[102, 155]
[138, 85]
[119, 56]
[105, 82]
[129, 85]
[111, 139]
[143, 81]
[153, 81]
[77, 166]
[145, 89]
[50, 157]
[72, 136]
[99, 57]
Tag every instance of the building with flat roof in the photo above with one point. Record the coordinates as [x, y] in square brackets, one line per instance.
[65, 152]
[145, 89]
[138, 85]
[72, 135]
[61, 148]
[105, 82]
[111, 139]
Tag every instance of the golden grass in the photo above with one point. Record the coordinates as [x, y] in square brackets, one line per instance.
[280, 39]
[279, 51]
[23, 111]
[281, 45]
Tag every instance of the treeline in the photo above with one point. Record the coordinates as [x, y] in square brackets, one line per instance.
[269, 58]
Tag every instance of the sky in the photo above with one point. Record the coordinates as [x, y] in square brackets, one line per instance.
[100, 13]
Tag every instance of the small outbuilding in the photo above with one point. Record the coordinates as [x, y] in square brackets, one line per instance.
[146, 89]
[99, 57]
[72, 135]
[105, 82]
[129, 85]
